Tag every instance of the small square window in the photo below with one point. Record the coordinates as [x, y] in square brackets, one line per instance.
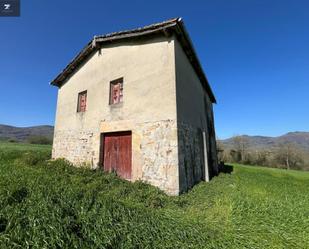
[116, 91]
[82, 101]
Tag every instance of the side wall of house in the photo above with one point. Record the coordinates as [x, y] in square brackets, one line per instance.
[148, 109]
[194, 116]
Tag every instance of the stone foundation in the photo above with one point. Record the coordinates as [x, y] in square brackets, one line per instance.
[154, 150]
[167, 155]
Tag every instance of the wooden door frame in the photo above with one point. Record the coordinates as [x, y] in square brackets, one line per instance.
[102, 136]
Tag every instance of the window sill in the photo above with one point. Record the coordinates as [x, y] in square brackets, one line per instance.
[118, 105]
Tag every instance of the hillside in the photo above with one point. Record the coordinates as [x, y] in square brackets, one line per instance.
[23, 133]
[50, 204]
[258, 142]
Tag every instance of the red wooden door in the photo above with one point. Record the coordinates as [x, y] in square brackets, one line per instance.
[117, 153]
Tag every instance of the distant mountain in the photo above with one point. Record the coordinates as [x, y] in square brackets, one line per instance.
[259, 142]
[23, 133]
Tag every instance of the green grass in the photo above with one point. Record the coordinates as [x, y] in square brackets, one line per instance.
[46, 204]
[7, 146]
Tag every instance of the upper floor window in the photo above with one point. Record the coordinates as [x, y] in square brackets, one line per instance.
[116, 91]
[82, 101]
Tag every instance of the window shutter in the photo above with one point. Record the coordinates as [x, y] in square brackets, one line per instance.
[82, 102]
[120, 92]
[116, 93]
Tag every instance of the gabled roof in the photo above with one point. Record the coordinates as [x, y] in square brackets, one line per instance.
[172, 26]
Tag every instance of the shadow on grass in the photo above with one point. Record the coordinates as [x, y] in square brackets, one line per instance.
[225, 168]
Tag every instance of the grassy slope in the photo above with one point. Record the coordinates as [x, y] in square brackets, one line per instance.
[52, 205]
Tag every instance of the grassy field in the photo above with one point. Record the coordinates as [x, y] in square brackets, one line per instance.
[7, 146]
[47, 204]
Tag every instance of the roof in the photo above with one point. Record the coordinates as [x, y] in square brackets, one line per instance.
[172, 26]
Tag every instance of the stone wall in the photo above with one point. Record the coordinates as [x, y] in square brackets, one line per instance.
[159, 153]
[190, 156]
[78, 147]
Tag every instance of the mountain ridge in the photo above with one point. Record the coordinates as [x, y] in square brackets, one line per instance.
[21, 134]
[299, 138]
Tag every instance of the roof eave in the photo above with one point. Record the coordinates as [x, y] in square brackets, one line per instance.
[61, 78]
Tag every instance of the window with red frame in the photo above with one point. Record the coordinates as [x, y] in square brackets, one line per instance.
[82, 101]
[116, 91]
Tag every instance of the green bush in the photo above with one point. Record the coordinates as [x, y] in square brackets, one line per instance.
[39, 140]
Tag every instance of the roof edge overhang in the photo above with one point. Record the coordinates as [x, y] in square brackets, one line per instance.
[188, 47]
[175, 26]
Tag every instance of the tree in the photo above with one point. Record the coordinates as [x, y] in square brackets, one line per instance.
[220, 151]
[240, 146]
[289, 155]
[262, 157]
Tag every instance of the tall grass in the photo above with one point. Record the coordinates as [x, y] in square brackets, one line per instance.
[50, 204]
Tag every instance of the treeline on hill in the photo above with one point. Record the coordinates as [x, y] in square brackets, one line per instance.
[285, 155]
[39, 140]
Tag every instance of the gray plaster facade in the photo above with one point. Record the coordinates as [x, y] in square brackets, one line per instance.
[167, 105]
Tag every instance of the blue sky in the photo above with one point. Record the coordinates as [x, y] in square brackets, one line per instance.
[255, 55]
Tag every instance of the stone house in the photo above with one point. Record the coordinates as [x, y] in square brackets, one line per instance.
[138, 103]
